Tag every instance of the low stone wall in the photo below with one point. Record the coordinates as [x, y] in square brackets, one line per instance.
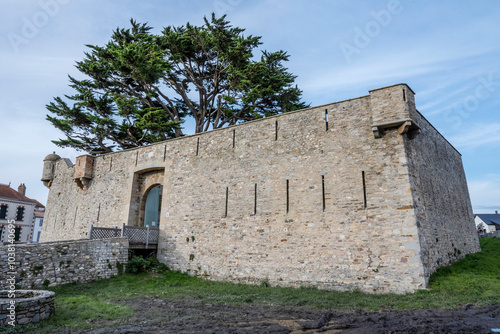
[53, 263]
[492, 234]
[29, 306]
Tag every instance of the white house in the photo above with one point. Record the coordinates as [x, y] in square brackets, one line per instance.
[38, 223]
[487, 223]
[15, 206]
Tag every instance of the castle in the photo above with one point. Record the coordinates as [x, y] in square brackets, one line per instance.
[359, 194]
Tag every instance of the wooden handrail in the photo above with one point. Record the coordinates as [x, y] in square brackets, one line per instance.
[136, 234]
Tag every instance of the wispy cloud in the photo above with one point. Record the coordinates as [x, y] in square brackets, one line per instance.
[463, 95]
[380, 69]
[485, 193]
[478, 135]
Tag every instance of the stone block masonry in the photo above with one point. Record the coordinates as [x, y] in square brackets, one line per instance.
[54, 263]
[358, 194]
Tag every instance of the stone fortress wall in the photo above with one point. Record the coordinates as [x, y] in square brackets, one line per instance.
[359, 194]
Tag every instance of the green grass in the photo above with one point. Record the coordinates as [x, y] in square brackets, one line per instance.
[475, 279]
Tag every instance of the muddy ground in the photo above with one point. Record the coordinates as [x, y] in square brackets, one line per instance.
[163, 316]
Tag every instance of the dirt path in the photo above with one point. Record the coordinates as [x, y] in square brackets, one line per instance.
[163, 316]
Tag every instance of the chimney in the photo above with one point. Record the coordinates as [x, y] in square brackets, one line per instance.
[22, 189]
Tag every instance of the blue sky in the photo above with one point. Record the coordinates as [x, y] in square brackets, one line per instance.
[447, 51]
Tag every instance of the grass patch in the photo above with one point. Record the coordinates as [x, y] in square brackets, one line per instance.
[475, 279]
[477, 275]
[75, 309]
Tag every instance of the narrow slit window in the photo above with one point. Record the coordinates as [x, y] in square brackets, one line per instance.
[110, 163]
[287, 196]
[164, 152]
[197, 146]
[364, 189]
[227, 202]
[98, 212]
[234, 138]
[276, 130]
[255, 200]
[326, 119]
[136, 157]
[323, 191]
[404, 94]
[74, 219]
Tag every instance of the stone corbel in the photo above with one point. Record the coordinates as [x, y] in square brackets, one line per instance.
[403, 128]
[403, 125]
[82, 182]
[376, 131]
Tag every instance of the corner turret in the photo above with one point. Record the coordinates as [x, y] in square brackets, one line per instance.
[49, 166]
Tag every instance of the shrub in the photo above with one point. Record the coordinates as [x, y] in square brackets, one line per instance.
[138, 264]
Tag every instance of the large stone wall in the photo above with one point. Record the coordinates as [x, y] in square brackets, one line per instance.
[314, 197]
[441, 198]
[62, 262]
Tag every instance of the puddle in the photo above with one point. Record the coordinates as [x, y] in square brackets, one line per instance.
[331, 331]
[294, 326]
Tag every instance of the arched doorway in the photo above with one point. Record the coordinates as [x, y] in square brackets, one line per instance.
[144, 182]
[152, 206]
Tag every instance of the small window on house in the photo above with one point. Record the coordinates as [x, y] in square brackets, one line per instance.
[20, 213]
[17, 234]
[41, 222]
[3, 211]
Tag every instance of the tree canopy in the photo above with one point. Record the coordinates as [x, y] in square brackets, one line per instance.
[140, 87]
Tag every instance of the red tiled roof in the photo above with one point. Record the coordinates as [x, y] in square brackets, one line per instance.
[7, 192]
[38, 204]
